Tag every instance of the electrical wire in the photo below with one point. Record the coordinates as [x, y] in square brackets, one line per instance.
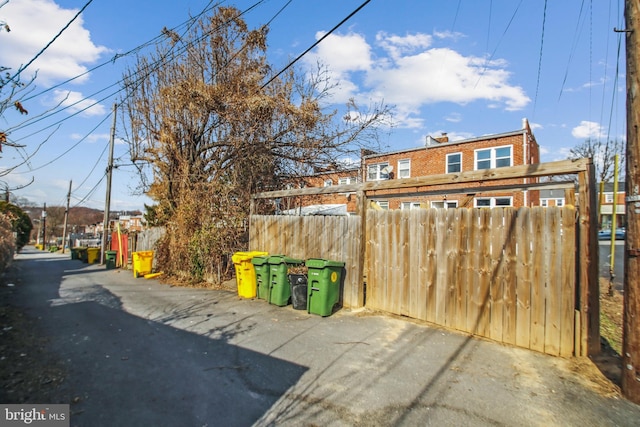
[290, 64]
[21, 69]
[544, 21]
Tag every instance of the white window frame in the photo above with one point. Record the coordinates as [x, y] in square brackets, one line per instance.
[559, 202]
[384, 204]
[347, 180]
[492, 202]
[404, 168]
[544, 203]
[608, 197]
[446, 204]
[379, 176]
[493, 159]
[409, 205]
[448, 163]
[328, 182]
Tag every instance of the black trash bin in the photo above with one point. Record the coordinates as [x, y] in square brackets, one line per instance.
[298, 283]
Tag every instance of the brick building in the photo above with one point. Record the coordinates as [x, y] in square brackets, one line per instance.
[438, 156]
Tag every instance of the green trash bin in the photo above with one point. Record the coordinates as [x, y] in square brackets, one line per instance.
[323, 285]
[279, 288]
[110, 259]
[74, 253]
[261, 266]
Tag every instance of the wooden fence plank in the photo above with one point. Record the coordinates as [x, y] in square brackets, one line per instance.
[496, 282]
[432, 264]
[553, 281]
[423, 272]
[539, 275]
[452, 266]
[523, 278]
[406, 266]
[462, 286]
[441, 265]
[510, 277]
[568, 302]
[475, 253]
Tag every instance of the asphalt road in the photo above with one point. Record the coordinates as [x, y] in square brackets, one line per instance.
[618, 265]
[141, 353]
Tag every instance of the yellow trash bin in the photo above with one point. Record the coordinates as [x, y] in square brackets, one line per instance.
[93, 255]
[246, 273]
[142, 262]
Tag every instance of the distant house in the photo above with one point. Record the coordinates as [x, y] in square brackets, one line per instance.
[605, 203]
[438, 156]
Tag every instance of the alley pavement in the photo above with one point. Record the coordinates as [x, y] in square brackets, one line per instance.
[141, 352]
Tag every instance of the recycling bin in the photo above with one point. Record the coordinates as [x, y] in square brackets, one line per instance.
[261, 267]
[279, 288]
[93, 255]
[323, 285]
[246, 273]
[142, 263]
[110, 259]
[298, 284]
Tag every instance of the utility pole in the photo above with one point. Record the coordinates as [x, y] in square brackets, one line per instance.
[107, 203]
[631, 322]
[44, 227]
[66, 218]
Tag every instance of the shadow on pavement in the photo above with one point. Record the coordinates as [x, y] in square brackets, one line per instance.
[125, 370]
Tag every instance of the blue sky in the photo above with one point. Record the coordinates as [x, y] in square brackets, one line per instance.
[465, 67]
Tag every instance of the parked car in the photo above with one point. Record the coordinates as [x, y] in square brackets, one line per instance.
[620, 234]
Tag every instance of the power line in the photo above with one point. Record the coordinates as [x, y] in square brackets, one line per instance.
[544, 21]
[21, 69]
[290, 64]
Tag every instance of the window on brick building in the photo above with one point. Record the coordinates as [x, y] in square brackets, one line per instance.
[608, 197]
[410, 205]
[384, 204]
[346, 181]
[375, 172]
[454, 162]
[493, 202]
[328, 183]
[495, 157]
[444, 204]
[404, 168]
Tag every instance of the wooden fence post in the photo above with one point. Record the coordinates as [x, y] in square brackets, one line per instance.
[362, 204]
[589, 287]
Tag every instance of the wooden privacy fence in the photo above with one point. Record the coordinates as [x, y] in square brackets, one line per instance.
[335, 238]
[526, 276]
[504, 274]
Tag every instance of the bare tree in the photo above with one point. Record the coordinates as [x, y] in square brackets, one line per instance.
[206, 132]
[603, 155]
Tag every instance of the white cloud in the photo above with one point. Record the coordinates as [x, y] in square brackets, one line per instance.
[34, 23]
[454, 118]
[77, 102]
[92, 138]
[587, 129]
[408, 73]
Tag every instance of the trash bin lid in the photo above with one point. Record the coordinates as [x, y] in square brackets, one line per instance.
[259, 260]
[282, 259]
[322, 263]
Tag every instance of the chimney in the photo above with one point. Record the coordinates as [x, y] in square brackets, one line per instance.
[442, 138]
